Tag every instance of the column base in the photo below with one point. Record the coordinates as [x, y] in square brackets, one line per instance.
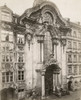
[43, 97]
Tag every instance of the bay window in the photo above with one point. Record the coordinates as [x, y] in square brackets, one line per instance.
[20, 75]
[20, 39]
[7, 58]
[7, 36]
[7, 77]
[20, 57]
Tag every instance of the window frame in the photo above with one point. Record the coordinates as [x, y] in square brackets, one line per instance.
[69, 61]
[7, 77]
[69, 69]
[21, 75]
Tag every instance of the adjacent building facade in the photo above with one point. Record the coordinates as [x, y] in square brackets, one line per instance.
[74, 51]
[38, 49]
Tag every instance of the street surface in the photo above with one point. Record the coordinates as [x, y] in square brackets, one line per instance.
[76, 95]
[73, 96]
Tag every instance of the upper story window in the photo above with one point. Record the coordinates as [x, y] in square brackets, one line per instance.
[69, 34]
[20, 57]
[79, 58]
[6, 16]
[20, 39]
[75, 70]
[3, 58]
[79, 46]
[79, 35]
[69, 58]
[74, 34]
[69, 44]
[7, 77]
[7, 58]
[7, 47]
[7, 36]
[74, 45]
[20, 75]
[75, 58]
[80, 69]
[69, 70]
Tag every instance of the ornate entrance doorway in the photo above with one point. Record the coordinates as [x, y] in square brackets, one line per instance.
[8, 94]
[50, 74]
[49, 81]
[51, 78]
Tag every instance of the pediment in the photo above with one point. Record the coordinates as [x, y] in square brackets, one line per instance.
[46, 12]
[46, 15]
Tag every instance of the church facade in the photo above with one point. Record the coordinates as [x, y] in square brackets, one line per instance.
[33, 49]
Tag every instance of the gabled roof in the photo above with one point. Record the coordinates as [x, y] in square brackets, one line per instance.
[5, 7]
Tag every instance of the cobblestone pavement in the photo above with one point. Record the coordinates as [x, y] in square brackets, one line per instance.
[73, 96]
[76, 95]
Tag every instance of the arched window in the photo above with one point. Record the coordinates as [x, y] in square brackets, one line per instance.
[47, 45]
[47, 17]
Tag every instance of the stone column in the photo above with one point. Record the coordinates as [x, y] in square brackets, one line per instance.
[57, 79]
[43, 84]
[42, 52]
[53, 82]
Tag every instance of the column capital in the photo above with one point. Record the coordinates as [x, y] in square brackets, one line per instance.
[40, 41]
[43, 72]
[40, 38]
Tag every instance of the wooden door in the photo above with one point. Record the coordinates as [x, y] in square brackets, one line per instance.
[49, 82]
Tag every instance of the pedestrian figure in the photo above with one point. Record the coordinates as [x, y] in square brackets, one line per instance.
[33, 95]
[70, 84]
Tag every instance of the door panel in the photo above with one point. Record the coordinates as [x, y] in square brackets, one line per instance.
[8, 94]
[49, 82]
